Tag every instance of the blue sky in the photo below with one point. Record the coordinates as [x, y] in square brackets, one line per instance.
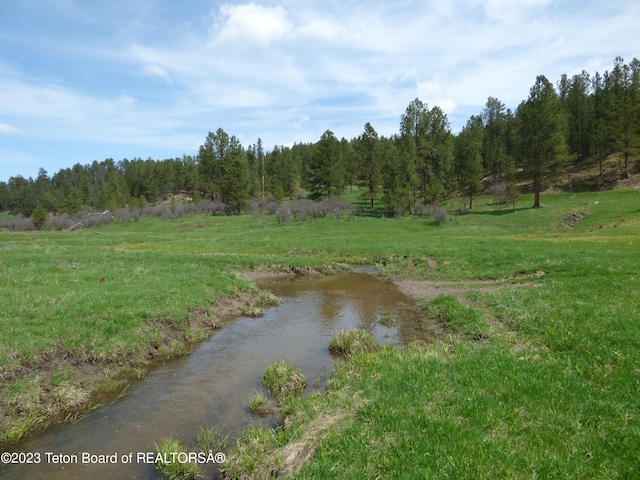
[84, 80]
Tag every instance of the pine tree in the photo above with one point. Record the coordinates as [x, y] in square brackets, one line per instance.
[543, 142]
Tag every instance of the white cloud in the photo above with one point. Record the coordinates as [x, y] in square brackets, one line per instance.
[285, 70]
[250, 23]
[156, 71]
[5, 129]
[512, 9]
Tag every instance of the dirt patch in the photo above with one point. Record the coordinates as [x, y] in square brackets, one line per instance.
[296, 453]
[428, 289]
[284, 271]
[572, 219]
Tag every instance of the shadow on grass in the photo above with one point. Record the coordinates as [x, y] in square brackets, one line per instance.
[379, 211]
[497, 212]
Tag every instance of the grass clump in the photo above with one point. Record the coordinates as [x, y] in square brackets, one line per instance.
[457, 318]
[169, 464]
[352, 341]
[282, 380]
[253, 455]
[387, 320]
[212, 439]
[260, 404]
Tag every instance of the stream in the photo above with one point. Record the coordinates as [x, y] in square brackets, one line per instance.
[213, 384]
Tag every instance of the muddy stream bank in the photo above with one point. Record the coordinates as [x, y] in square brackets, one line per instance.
[213, 384]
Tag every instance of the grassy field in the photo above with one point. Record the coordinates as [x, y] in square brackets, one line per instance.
[550, 389]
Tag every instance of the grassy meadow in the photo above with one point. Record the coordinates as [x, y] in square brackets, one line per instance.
[549, 388]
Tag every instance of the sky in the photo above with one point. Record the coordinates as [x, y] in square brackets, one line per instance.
[85, 80]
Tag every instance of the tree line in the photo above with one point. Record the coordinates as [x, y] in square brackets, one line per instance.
[581, 120]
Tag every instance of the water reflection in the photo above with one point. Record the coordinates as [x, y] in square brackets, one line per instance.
[213, 384]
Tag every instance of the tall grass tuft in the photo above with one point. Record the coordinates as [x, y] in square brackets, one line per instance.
[260, 404]
[212, 439]
[282, 380]
[352, 341]
[172, 468]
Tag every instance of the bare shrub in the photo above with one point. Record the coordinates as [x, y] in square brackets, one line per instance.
[97, 219]
[422, 209]
[261, 204]
[302, 208]
[59, 222]
[283, 214]
[499, 192]
[18, 224]
[440, 215]
[334, 206]
[258, 218]
[353, 211]
[271, 207]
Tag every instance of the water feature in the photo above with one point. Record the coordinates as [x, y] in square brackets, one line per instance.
[212, 385]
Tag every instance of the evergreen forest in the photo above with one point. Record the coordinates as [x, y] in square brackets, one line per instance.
[579, 122]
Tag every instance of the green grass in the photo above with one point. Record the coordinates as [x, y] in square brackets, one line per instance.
[457, 318]
[260, 404]
[352, 341]
[282, 380]
[540, 381]
[171, 466]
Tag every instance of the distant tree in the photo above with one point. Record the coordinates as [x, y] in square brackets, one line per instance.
[326, 169]
[22, 197]
[235, 182]
[39, 216]
[73, 203]
[439, 155]
[4, 196]
[512, 193]
[432, 147]
[370, 161]
[599, 139]
[623, 94]
[224, 170]
[495, 141]
[401, 179]
[578, 103]
[543, 141]
[210, 166]
[282, 175]
[468, 167]
[349, 161]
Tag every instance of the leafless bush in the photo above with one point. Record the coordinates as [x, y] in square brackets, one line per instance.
[214, 207]
[422, 209]
[440, 215]
[18, 223]
[329, 205]
[353, 211]
[97, 219]
[59, 222]
[499, 192]
[258, 218]
[283, 214]
[263, 203]
[302, 208]
[271, 207]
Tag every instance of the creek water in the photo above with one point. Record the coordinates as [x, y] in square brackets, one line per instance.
[213, 384]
